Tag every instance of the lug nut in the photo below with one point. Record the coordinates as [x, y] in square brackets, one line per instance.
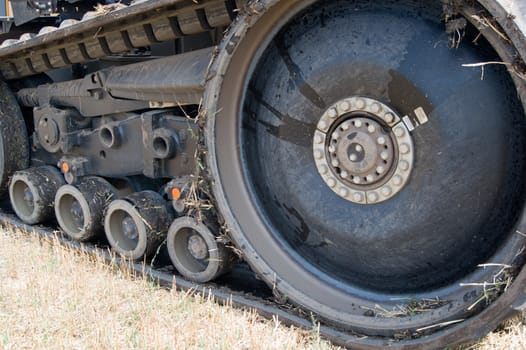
[358, 197]
[371, 128]
[332, 149]
[358, 123]
[380, 169]
[335, 162]
[370, 178]
[335, 135]
[381, 140]
[372, 197]
[345, 126]
[344, 174]
[360, 104]
[356, 179]
[384, 155]
[399, 132]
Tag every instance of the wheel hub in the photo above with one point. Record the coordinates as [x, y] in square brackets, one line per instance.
[129, 229]
[362, 150]
[28, 197]
[77, 213]
[197, 247]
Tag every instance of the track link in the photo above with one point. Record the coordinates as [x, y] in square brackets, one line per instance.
[102, 34]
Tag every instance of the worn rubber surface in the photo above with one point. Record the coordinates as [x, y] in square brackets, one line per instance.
[267, 252]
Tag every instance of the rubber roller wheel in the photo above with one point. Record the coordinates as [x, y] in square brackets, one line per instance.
[80, 209]
[136, 225]
[195, 252]
[14, 147]
[32, 193]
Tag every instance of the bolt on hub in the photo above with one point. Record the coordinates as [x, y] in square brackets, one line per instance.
[362, 150]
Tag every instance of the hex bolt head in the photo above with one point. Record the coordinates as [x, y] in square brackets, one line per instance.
[399, 131]
[332, 113]
[358, 197]
[404, 148]
[318, 139]
[322, 124]
[318, 154]
[344, 106]
[375, 108]
[343, 192]
[360, 104]
[324, 169]
[372, 197]
[388, 117]
[397, 180]
[404, 165]
[331, 182]
[386, 191]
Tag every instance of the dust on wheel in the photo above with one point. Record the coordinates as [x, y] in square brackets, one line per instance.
[390, 238]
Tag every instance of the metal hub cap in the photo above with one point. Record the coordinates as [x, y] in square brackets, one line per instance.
[77, 213]
[197, 247]
[29, 198]
[363, 151]
[129, 229]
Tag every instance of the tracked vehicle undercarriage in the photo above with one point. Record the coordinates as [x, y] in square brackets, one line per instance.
[365, 158]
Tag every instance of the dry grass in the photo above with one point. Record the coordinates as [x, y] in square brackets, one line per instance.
[55, 298]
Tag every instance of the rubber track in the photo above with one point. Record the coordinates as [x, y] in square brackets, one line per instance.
[223, 295]
[139, 25]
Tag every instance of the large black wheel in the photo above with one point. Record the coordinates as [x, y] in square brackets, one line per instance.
[366, 173]
[14, 145]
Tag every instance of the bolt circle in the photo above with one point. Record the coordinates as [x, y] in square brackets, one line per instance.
[361, 150]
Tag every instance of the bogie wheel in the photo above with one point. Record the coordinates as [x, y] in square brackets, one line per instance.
[137, 224]
[195, 252]
[32, 193]
[80, 208]
[366, 170]
[14, 146]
